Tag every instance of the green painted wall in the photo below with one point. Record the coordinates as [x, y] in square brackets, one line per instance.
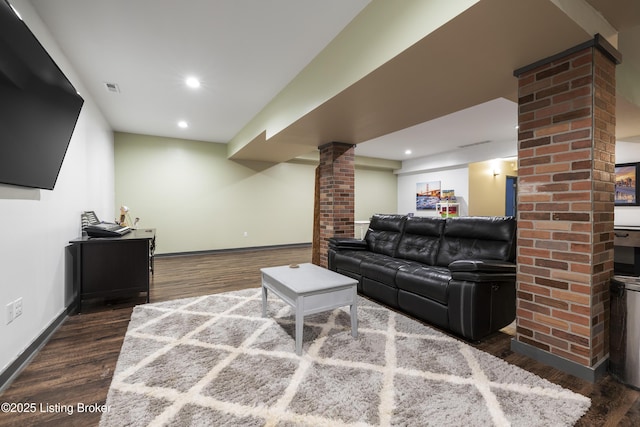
[199, 200]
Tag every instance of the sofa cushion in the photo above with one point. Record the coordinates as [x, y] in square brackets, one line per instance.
[384, 233]
[424, 308]
[382, 269]
[383, 293]
[480, 238]
[427, 281]
[350, 260]
[421, 239]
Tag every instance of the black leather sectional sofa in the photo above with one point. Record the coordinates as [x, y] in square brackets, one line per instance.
[456, 273]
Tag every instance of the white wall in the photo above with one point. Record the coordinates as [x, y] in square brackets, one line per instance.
[627, 152]
[38, 224]
[450, 179]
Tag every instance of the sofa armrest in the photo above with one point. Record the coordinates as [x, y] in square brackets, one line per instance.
[338, 243]
[482, 270]
[478, 309]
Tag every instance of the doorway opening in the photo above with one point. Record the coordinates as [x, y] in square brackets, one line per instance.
[511, 196]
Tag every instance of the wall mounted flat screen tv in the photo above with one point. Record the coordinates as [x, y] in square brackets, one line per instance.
[39, 107]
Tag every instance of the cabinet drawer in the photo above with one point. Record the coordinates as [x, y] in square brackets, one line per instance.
[626, 238]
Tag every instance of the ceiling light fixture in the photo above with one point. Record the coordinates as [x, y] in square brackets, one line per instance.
[182, 124]
[407, 152]
[192, 82]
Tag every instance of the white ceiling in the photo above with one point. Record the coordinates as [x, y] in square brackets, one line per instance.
[245, 52]
[490, 121]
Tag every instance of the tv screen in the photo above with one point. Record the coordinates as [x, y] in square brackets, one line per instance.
[39, 107]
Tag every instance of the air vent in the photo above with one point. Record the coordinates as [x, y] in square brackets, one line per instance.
[112, 87]
[473, 144]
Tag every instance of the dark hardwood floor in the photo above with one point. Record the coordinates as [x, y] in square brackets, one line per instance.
[77, 363]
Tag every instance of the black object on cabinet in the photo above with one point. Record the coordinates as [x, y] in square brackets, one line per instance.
[112, 267]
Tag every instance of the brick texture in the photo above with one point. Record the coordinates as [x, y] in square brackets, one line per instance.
[336, 194]
[566, 149]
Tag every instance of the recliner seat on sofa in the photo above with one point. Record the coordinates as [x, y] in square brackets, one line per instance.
[456, 273]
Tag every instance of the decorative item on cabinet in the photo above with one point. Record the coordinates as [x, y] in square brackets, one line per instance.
[448, 209]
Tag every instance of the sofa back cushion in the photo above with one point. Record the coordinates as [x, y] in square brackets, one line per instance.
[477, 238]
[384, 233]
[421, 239]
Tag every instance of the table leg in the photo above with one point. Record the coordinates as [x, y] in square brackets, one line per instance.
[264, 301]
[354, 319]
[299, 324]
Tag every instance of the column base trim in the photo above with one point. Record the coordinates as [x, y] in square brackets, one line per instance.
[591, 374]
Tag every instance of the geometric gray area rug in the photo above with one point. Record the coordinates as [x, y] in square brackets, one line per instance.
[214, 361]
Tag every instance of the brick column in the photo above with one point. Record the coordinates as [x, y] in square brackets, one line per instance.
[566, 179]
[336, 195]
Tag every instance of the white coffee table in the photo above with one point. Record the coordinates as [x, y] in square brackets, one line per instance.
[310, 289]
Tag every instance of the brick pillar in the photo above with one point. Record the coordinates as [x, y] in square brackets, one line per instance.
[336, 195]
[566, 176]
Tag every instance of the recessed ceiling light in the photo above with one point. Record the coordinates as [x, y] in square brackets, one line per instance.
[192, 82]
[182, 124]
[407, 152]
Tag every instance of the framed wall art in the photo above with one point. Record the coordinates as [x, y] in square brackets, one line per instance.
[427, 195]
[626, 184]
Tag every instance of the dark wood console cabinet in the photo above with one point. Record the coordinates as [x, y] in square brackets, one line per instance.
[626, 243]
[114, 266]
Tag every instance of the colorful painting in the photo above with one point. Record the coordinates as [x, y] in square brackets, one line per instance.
[626, 184]
[449, 195]
[427, 195]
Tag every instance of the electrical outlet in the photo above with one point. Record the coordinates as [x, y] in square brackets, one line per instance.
[17, 307]
[246, 234]
[10, 313]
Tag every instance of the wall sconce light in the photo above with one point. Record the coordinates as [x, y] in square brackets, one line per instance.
[496, 172]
